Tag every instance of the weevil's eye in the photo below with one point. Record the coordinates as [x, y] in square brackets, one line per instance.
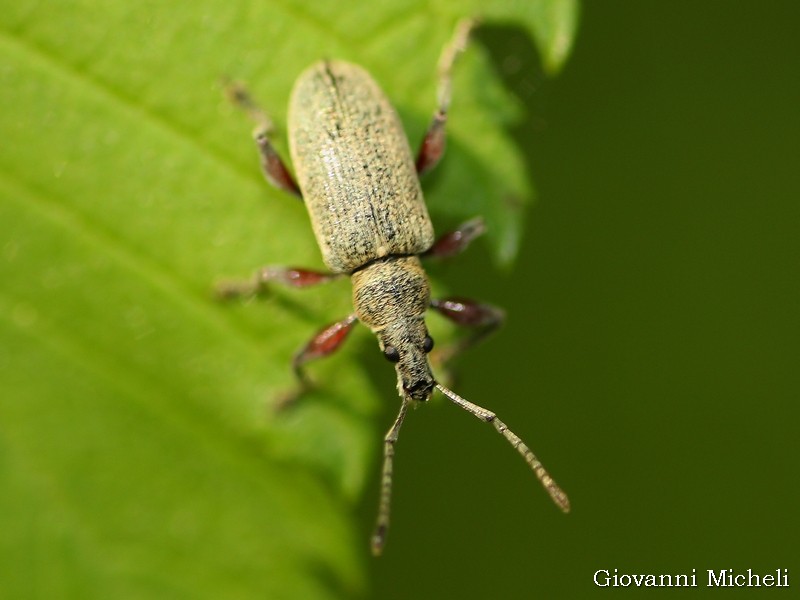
[427, 344]
[391, 354]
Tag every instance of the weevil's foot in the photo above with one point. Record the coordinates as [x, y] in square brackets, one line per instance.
[287, 399]
[236, 92]
[232, 290]
[238, 95]
[228, 291]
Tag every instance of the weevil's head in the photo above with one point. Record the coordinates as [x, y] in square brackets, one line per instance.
[391, 297]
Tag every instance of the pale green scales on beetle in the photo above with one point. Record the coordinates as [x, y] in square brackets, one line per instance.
[360, 184]
[354, 164]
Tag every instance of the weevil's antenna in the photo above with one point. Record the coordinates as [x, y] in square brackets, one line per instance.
[556, 493]
[382, 525]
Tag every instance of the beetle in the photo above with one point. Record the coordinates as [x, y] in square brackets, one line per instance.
[360, 184]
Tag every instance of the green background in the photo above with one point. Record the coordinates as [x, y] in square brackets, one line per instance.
[649, 359]
[651, 354]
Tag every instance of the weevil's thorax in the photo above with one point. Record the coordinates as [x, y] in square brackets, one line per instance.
[391, 297]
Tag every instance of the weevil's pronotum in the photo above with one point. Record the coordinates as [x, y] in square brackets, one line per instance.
[358, 179]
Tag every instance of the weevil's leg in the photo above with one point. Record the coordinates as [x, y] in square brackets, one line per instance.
[433, 145]
[382, 524]
[455, 242]
[259, 284]
[272, 166]
[325, 342]
[556, 493]
[483, 318]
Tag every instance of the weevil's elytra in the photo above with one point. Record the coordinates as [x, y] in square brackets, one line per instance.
[360, 183]
[355, 168]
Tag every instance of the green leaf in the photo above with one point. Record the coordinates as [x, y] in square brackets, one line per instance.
[139, 457]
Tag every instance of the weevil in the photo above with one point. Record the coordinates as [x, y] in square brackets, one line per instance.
[360, 184]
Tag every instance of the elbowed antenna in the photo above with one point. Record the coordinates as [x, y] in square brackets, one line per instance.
[556, 493]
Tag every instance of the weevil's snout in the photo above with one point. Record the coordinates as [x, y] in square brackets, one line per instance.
[407, 344]
[420, 390]
[414, 377]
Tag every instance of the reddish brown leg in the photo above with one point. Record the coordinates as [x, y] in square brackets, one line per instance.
[433, 145]
[325, 342]
[483, 318]
[455, 242]
[272, 166]
[259, 284]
